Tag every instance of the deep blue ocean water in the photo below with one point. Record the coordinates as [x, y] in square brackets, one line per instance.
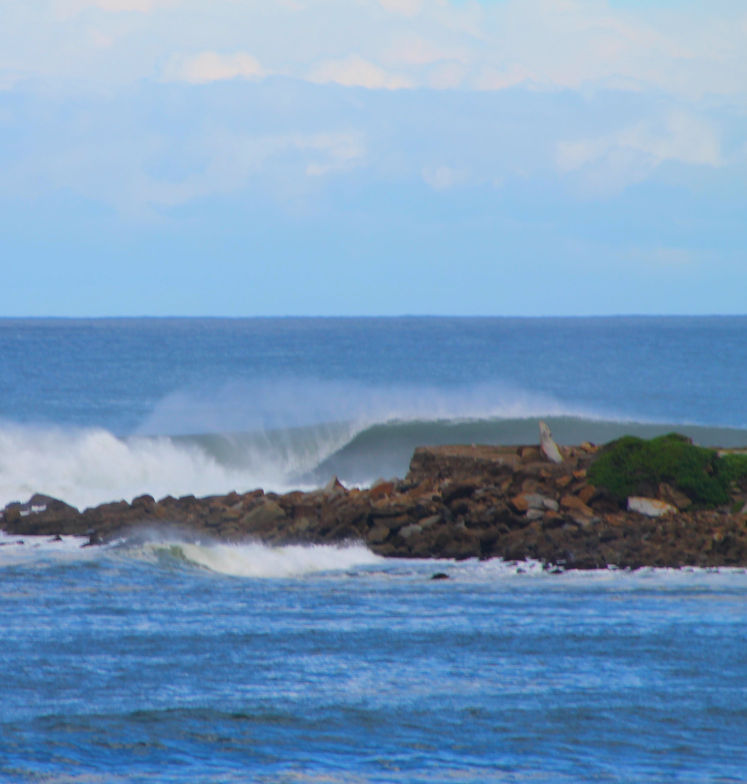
[163, 660]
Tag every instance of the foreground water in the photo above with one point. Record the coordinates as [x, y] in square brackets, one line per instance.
[164, 661]
[141, 663]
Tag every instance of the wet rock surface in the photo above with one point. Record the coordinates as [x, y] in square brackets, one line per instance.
[455, 502]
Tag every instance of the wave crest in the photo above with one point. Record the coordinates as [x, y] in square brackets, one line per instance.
[257, 560]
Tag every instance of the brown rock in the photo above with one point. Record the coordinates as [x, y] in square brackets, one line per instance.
[262, 517]
[575, 504]
[587, 493]
[673, 496]
[381, 490]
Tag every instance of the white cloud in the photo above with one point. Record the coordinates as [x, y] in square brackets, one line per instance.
[402, 7]
[495, 79]
[415, 50]
[212, 67]
[336, 151]
[233, 160]
[354, 71]
[441, 178]
[446, 76]
[681, 138]
[689, 51]
[611, 162]
[72, 7]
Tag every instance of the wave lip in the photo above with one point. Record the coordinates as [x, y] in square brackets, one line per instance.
[256, 560]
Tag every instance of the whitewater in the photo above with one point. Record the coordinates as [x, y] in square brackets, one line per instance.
[166, 658]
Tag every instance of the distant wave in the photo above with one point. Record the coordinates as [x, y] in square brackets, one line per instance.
[89, 466]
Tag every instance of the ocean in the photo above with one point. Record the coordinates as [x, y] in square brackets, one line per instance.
[159, 660]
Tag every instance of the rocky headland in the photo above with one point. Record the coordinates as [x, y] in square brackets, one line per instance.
[513, 502]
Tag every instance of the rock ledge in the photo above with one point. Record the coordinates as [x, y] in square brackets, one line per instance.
[455, 502]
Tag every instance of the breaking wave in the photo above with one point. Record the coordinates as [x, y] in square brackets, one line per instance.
[195, 445]
[258, 560]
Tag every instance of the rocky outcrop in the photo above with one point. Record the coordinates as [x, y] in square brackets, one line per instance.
[455, 502]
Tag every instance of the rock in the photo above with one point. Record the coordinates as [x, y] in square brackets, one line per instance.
[378, 534]
[410, 530]
[11, 515]
[381, 489]
[673, 496]
[334, 487]
[578, 511]
[145, 502]
[651, 507]
[42, 514]
[528, 501]
[440, 576]
[262, 517]
[587, 493]
[547, 446]
[427, 522]
[520, 502]
[457, 462]
[575, 504]
[453, 491]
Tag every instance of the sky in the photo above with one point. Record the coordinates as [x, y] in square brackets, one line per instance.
[373, 157]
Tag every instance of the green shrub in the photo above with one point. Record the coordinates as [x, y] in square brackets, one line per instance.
[732, 467]
[634, 466]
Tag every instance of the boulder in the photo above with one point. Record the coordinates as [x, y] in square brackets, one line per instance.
[673, 496]
[650, 507]
[547, 446]
[263, 517]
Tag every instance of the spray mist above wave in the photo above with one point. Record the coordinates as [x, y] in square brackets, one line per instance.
[289, 403]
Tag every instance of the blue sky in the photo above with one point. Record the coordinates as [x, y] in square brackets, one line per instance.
[238, 157]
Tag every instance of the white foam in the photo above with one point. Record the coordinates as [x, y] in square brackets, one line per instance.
[86, 467]
[659, 578]
[264, 561]
[32, 549]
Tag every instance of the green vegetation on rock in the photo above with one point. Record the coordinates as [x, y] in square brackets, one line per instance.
[634, 466]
